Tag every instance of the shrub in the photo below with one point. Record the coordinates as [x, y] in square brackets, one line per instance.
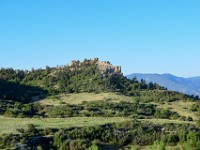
[158, 145]
[79, 145]
[172, 139]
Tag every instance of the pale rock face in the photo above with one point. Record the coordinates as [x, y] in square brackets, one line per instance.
[103, 66]
[108, 67]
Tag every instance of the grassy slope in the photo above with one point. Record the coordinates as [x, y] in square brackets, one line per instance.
[9, 125]
[181, 107]
[81, 97]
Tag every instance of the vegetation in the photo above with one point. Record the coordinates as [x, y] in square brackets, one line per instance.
[99, 136]
[11, 125]
[82, 77]
[78, 98]
[81, 107]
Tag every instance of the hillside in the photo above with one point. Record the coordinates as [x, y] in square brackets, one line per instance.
[90, 75]
[90, 105]
[189, 86]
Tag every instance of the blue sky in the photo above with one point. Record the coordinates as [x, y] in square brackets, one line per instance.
[147, 36]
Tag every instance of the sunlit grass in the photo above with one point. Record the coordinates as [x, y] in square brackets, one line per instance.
[181, 107]
[81, 97]
[9, 125]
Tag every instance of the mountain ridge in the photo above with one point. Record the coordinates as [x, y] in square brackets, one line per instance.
[184, 85]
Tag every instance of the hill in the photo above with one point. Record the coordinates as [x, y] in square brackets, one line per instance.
[90, 75]
[87, 76]
[189, 86]
[92, 105]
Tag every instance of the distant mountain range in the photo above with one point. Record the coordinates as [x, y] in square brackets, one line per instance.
[189, 86]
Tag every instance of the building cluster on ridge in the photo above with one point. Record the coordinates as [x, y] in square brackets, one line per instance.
[103, 66]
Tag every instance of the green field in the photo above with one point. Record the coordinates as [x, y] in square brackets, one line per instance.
[9, 125]
[83, 97]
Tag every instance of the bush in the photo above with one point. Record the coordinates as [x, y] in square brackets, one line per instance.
[172, 139]
[158, 145]
[163, 113]
[93, 147]
[79, 145]
[189, 118]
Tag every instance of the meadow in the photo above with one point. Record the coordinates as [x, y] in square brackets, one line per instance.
[9, 125]
[78, 98]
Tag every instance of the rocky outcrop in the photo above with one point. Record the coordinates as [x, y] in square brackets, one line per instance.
[103, 66]
[106, 66]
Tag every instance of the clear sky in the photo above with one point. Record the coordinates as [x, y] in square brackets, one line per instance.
[146, 36]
